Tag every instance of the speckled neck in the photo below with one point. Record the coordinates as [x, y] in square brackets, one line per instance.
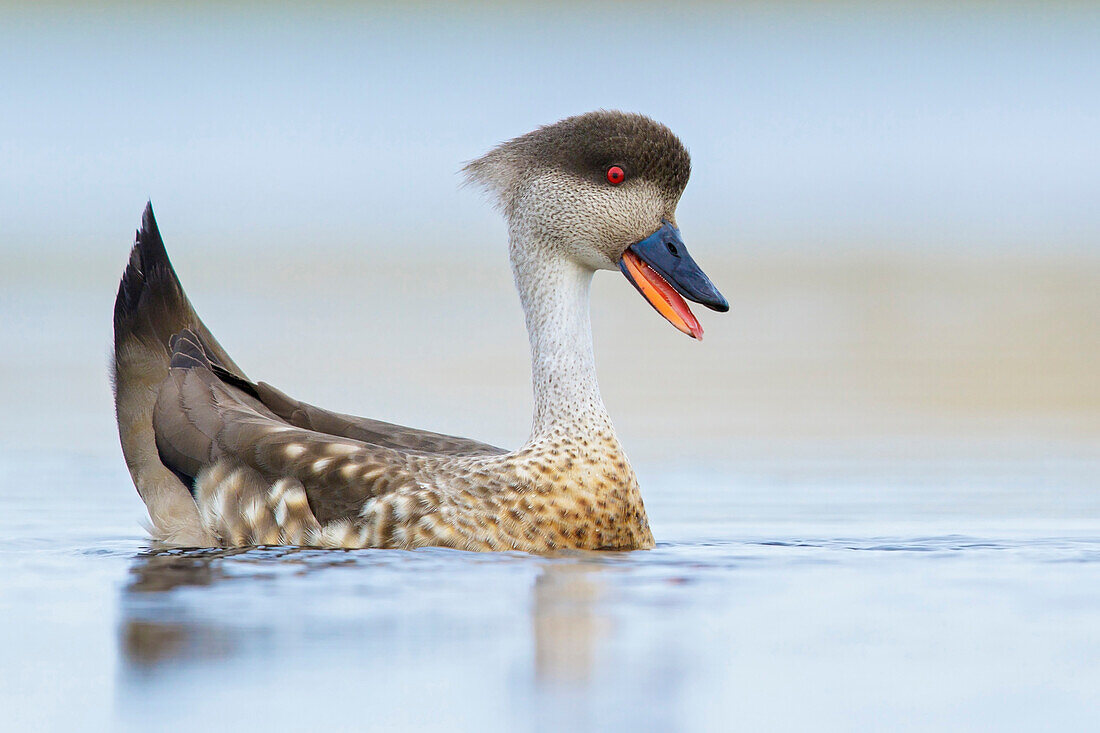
[554, 291]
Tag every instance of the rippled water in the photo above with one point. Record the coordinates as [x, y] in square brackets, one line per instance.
[831, 596]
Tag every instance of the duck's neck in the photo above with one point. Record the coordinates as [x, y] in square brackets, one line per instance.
[554, 292]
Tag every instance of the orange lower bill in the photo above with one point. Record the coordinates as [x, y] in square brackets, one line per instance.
[664, 299]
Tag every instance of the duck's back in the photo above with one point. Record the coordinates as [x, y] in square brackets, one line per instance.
[183, 406]
[221, 460]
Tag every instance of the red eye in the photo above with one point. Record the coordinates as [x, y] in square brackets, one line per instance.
[615, 175]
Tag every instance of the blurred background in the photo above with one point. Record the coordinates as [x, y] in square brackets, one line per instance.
[899, 200]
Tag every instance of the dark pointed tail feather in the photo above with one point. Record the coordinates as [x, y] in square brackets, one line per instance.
[148, 254]
[150, 309]
[151, 306]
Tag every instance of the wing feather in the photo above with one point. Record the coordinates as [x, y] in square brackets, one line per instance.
[367, 430]
[200, 420]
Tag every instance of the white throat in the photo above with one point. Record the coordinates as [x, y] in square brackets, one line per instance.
[554, 291]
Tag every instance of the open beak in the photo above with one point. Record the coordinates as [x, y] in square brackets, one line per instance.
[660, 267]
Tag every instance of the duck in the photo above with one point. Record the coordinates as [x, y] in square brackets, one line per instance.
[221, 460]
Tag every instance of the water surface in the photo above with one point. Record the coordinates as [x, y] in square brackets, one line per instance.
[825, 595]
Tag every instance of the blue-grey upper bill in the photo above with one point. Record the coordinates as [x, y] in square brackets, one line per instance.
[665, 252]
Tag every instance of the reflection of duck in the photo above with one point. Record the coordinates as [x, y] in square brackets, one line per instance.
[566, 623]
[150, 639]
[160, 627]
[222, 460]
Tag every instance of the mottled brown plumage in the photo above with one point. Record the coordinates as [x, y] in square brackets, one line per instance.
[222, 460]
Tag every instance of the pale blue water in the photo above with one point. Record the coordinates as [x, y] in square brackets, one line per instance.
[783, 595]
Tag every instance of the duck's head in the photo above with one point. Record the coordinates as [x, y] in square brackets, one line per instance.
[601, 189]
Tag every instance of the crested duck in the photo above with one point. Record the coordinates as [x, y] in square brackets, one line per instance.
[222, 460]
